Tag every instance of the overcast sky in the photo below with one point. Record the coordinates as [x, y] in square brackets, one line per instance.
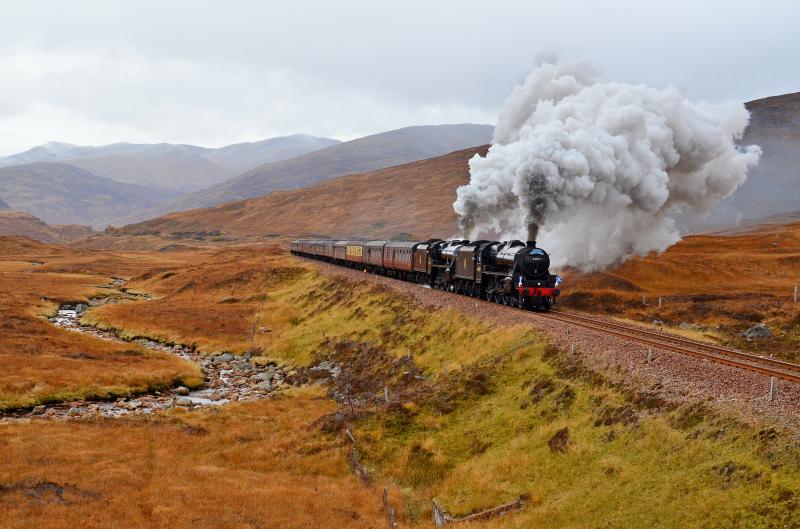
[213, 73]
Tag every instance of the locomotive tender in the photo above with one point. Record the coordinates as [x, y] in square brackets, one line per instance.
[510, 272]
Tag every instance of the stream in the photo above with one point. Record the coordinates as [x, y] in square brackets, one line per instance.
[228, 377]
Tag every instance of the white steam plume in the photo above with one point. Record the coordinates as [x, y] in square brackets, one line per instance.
[597, 170]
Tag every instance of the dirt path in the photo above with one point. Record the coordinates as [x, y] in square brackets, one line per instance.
[672, 375]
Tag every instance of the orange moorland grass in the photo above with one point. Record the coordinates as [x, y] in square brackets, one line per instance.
[212, 303]
[41, 363]
[725, 283]
[251, 465]
[480, 434]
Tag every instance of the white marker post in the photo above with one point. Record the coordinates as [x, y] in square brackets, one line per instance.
[773, 389]
[649, 356]
[795, 293]
[659, 302]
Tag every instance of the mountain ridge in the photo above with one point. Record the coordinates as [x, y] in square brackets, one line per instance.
[773, 185]
[21, 224]
[60, 193]
[369, 153]
[407, 199]
[180, 167]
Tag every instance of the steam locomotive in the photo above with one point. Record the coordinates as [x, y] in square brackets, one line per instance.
[513, 273]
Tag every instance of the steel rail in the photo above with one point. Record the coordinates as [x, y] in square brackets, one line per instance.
[757, 364]
[780, 364]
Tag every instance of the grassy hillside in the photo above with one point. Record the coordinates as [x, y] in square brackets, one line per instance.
[480, 415]
[26, 225]
[413, 198]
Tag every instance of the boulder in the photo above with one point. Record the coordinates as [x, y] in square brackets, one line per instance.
[560, 441]
[759, 330]
[181, 390]
[223, 358]
[38, 410]
[183, 401]
[264, 377]
[265, 386]
[690, 326]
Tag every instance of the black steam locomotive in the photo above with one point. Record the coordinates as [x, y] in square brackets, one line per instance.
[510, 272]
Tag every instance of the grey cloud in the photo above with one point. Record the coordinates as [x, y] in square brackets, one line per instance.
[217, 72]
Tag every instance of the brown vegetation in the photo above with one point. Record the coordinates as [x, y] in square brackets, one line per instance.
[259, 465]
[26, 225]
[212, 304]
[41, 363]
[470, 416]
[723, 283]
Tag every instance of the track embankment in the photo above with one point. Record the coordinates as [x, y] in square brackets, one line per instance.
[622, 353]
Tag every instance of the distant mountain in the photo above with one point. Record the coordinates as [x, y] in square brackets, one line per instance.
[241, 157]
[411, 199]
[60, 193]
[26, 225]
[773, 186]
[42, 153]
[164, 165]
[364, 154]
[3, 205]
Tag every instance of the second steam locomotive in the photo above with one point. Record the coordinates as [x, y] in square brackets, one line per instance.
[509, 272]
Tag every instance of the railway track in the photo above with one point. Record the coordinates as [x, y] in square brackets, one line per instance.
[714, 353]
[676, 344]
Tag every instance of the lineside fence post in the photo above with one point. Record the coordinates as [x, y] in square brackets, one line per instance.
[649, 355]
[659, 302]
[773, 388]
[795, 293]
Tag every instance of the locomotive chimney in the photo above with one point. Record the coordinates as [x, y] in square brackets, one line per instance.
[530, 244]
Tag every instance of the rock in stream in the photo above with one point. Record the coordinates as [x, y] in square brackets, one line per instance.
[228, 378]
